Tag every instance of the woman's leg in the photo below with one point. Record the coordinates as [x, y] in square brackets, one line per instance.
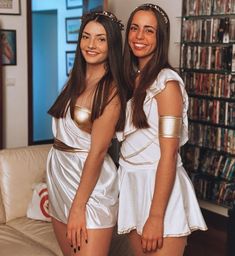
[135, 242]
[171, 246]
[98, 243]
[60, 233]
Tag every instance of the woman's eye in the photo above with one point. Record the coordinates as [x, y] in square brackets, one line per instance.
[150, 31]
[84, 36]
[102, 39]
[133, 28]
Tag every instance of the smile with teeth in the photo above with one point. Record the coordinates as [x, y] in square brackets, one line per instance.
[139, 46]
[91, 53]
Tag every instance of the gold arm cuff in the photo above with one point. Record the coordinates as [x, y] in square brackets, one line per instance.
[170, 126]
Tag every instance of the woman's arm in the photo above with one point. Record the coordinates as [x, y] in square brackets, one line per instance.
[102, 133]
[169, 103]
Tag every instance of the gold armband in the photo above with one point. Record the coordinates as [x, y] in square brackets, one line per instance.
[170, 126]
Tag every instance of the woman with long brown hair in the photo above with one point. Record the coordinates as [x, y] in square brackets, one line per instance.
[81, 176]
[157, 204]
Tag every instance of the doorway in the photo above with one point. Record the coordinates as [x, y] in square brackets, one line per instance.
[45, 72]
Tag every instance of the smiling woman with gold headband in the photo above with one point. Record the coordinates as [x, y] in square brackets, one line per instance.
[157, 204]
[81, 176]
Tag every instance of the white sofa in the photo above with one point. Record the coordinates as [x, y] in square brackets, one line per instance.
[20, 168]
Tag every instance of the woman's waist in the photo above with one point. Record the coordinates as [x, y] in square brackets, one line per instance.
[62, 146]
[146, 159]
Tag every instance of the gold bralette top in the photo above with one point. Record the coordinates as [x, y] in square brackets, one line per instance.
[82, 118]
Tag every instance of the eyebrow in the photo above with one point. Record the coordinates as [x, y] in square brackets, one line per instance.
[146, 26]
[84, 32]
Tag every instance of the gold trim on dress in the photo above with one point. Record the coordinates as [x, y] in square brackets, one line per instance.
[63, 147]
[191, 229]
[137, 151]
[170, 126]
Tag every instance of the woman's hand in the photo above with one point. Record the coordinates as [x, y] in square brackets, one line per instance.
[152, 236]
[76, 226]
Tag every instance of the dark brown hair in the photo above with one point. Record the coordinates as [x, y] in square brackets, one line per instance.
[113, 77]
[151, 70]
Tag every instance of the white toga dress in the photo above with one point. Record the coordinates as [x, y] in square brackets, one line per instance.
[139, 156]
[64, 170]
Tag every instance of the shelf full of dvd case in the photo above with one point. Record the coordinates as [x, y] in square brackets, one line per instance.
[208, 70]
[208, 40]
[208, 7]
[212, 174]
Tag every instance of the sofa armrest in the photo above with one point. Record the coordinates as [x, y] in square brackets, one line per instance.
[2, 210]
[20, 168]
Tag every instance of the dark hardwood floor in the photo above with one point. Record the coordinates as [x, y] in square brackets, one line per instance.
[212, 242]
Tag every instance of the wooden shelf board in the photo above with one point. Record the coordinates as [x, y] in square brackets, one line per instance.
[214, 208]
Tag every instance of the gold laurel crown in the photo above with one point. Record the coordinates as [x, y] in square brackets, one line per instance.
[107, 14]
[158, 9]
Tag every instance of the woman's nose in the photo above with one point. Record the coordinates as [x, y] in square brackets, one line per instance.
[140, 34]
[91, 44]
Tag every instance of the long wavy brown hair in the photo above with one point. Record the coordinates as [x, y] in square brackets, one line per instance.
[113, 76]
[151, 70]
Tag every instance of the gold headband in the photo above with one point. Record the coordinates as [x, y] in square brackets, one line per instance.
[107, 14]
[170, 126]
[158, 9]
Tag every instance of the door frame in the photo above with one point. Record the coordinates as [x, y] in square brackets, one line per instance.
[30, 78]
[1, 103]
[30, 72]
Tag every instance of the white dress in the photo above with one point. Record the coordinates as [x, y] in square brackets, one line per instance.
[139, 156]
[64, 170]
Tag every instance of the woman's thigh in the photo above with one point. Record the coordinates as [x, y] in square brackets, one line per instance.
[98, 241]
[171, 246]
[60, 233]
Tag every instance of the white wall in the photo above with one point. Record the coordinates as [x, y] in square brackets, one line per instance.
[16, 97]
[15, 83]
[123, 8]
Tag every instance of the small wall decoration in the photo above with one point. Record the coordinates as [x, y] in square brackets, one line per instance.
[72, 29]
[94, 5]
[10, 7]
[72, 4]
[8, 44]
[70, 56]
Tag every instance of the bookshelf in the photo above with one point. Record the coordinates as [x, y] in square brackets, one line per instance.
[207, 66]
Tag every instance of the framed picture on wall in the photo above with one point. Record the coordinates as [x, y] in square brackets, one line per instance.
[70, 56]
[72, 26]
[94, 5]
[8, 43]
[72, 4]
[10, 7]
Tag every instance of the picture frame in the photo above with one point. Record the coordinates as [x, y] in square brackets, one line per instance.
[8, 46]
[95, 5]
[73, 4]
[70, 57]
[72, 26]
[10, 7]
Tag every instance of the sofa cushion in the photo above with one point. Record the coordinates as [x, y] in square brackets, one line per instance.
[38, 231]
[20, 168]
[13, 242]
